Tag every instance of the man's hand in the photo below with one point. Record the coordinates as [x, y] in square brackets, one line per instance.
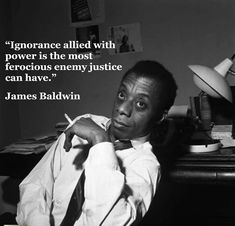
[87, 129]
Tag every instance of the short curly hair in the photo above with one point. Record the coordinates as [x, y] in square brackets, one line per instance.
[156, 71]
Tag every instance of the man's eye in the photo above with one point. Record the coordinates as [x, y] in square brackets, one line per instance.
[141, 105]
[121, 96]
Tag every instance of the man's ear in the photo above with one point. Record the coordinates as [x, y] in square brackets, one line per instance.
[163, 118]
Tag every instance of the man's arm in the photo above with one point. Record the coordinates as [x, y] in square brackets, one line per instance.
[113, 197]
[36, 191]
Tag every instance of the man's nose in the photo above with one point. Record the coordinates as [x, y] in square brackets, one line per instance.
[125, 109]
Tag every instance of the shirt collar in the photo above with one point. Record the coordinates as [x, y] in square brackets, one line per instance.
[140, 140]
[136, 141]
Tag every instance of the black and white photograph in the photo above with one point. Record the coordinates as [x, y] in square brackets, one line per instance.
[86, 12]
[127, 38]
[91, 35]
[117, 113]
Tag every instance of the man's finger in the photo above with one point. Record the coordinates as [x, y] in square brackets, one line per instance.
[68, 139]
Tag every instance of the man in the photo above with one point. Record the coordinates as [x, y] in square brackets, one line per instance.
[114, 186]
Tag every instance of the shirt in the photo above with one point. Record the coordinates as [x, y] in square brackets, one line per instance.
[119, 185]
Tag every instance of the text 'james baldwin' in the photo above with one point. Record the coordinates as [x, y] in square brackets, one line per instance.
[43, 96]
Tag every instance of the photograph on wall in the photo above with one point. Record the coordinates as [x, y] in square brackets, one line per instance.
[86, 12]
[127, 38]
[89, 35]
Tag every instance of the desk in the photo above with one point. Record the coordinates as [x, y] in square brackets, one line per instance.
[13, 169]
[17, 165]
[197, 189]
[215, 167]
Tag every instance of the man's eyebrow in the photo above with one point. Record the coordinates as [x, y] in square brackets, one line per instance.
[144, 95]
[122, 88]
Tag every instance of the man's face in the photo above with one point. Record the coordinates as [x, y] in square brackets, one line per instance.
[135, 107]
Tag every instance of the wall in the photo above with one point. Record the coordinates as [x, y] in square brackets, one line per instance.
[9, 112]
[175, 33]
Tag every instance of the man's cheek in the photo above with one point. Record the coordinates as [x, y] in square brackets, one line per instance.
[115, 110]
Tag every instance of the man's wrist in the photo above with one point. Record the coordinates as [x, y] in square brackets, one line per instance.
[98, 138]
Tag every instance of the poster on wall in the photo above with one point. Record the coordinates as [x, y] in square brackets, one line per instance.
[127, 38]
[86, 12]
[89, 35]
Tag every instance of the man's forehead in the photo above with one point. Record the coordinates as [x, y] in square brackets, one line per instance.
[140, 83]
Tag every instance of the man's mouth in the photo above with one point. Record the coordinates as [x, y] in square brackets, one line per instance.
[119, 124]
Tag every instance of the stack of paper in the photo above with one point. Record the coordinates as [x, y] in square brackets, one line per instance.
[60, 127]
[29, 146]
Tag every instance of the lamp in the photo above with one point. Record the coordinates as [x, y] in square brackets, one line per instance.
[213, 81]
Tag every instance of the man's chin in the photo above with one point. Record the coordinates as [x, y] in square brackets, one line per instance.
[120, 133]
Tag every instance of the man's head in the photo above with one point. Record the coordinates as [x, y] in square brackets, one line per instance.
[146, 93]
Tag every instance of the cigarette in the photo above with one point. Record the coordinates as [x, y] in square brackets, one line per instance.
[68, 119]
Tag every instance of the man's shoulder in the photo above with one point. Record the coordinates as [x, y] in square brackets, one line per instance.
[141, 155]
